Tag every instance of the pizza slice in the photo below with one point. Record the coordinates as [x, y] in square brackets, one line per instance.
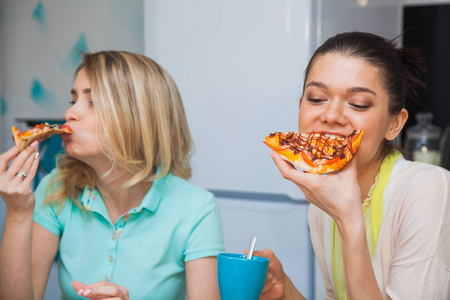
[40, 132]
[316, 152]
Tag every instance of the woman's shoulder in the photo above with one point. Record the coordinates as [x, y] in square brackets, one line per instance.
[177, 186]
[420, 186]
[413, 172]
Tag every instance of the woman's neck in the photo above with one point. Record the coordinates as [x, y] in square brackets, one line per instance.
[118, 200]
[367, 175]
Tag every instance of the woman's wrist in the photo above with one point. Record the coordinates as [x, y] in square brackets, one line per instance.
[19, 216]
[351, 228]
[351, 223]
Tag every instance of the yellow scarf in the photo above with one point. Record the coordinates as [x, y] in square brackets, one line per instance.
[373, 215]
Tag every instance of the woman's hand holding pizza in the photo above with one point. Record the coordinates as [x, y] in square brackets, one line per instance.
[16, 179]
[337, 194]
[101, 290]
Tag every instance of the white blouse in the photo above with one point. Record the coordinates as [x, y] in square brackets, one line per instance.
[412, 258]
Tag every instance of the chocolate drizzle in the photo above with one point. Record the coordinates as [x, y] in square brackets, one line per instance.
[318, 145]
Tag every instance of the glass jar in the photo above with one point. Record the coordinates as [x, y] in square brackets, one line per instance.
[422, 139]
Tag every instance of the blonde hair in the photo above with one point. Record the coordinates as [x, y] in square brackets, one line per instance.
[141, 120]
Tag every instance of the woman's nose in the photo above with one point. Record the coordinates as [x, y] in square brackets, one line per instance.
[71, 114]
[334, 114]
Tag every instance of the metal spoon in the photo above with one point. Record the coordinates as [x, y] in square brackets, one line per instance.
[251, 247]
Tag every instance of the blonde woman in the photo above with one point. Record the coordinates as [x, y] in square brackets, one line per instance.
[118, 208]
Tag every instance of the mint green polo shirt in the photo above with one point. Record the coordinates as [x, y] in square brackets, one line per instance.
[145, 250]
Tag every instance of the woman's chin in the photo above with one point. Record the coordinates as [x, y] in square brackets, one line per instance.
[70, 150]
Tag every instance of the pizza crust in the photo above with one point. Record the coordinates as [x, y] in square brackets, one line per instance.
[39, 133]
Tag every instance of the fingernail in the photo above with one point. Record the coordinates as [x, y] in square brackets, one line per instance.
[87, 292]
[36, 155]
[34, 144]
[80, 292]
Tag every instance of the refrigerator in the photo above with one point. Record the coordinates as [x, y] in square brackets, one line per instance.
[239, 66]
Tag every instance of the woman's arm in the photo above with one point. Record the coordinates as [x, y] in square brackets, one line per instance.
[16, 246]
[201, 279]
[339, 195]
[44, 247]
[15, 257]
[360, 281]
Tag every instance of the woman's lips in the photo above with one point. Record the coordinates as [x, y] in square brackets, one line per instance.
[66, 126]
[66, 135]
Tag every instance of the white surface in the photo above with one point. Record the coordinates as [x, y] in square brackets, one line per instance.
[239, 66]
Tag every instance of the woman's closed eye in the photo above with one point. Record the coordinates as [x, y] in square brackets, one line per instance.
[315, 100]
[360, 106]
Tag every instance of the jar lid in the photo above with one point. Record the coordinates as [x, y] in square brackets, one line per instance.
[424, 129]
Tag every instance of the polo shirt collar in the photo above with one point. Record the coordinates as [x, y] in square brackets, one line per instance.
[90, 198]
[154, 195]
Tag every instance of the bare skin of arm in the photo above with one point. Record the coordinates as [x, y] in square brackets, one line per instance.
[44, 248]
[25, 264]
[201, 279]
[339, 195]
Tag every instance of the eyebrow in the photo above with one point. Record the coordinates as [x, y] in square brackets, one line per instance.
[85, 91]
[360, 90]
[317, 84]
[352, 90]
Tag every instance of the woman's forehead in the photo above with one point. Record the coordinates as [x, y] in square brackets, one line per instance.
[343, 68]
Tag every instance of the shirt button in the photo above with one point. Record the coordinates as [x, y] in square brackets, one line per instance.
[106, 278]
[111, 258]
[113, 236]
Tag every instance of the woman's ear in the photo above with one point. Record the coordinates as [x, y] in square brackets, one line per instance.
[397, 123]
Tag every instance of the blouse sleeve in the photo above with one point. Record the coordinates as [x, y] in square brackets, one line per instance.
[420, 266]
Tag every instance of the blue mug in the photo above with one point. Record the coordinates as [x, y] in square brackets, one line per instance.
[240, 278]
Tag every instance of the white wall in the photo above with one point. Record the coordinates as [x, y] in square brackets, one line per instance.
[239, 66]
